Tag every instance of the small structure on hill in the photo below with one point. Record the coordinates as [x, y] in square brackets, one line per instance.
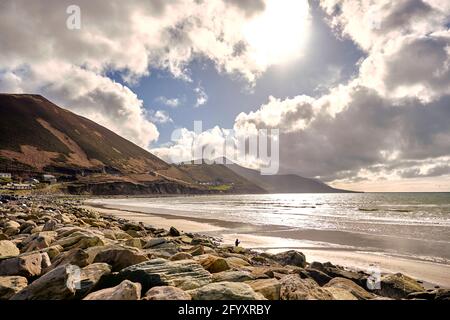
[48, 178]
[5, 175]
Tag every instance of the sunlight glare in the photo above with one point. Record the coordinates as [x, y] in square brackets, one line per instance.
[278, 35]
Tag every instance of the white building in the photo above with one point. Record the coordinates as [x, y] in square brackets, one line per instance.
[4, 175]
[48, 178]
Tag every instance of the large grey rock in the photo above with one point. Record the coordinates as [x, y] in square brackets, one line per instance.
[8, 249]
[120, 258]
[58, 284]
[350, 286]
[185, 274]
[9, 286]
[166, 293]
[291, 257]
[225, 291]
[295, 288]
[126, 290]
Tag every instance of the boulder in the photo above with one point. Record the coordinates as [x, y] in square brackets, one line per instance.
[8, 249]
[120, 258]
[58, 284]
[237, 262]
[181, 256]
[426, 295]
[50, 225]
[197, 250]
[77, 257]
[9, 286]
[398, 286]
[173, 232]
[318, 276]
[351, 287]
[269, 288]
[233, 276]
[81, 240]
[135, 243]
[90, 277]
[37, 241]
[184, 274]
[291, 257]
[225, 291]
[126, 290]
[340, 294]
[295, 288]
[333, 271]
[154, 242]
[213, 264]
[268, 272]
[11, 228]
[26, 265]
[166, 293]
[442, 294]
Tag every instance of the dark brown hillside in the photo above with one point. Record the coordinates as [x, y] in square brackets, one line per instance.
[38, 136]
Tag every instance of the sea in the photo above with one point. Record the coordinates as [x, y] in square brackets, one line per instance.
[414, 225]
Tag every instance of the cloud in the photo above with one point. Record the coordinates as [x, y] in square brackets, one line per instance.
[131, 39]
[388, 123]
[250, 7]
[201, 96]
[173, 102]
[160, 116]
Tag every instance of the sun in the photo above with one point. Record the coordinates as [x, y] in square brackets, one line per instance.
[278, 35]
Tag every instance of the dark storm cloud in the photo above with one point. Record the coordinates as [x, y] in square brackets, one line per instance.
[403, 12]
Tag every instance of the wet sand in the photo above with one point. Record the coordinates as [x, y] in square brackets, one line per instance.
[316, 245]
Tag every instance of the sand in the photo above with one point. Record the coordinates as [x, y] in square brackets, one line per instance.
[282, 239]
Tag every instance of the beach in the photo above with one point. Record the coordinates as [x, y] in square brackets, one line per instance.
[315, 244]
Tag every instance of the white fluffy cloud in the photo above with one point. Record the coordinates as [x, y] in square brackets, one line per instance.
[390, 122]
[39, 54]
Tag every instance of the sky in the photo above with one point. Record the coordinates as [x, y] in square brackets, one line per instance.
[359, 90]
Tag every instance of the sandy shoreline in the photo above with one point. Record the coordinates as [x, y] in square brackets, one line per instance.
[281, 240]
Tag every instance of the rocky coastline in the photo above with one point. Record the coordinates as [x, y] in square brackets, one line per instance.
[52, 249]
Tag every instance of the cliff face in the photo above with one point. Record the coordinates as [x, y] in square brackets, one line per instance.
[129, 188]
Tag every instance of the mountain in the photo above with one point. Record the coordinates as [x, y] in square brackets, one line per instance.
[37, 136]
[282, 183]
[219, 177]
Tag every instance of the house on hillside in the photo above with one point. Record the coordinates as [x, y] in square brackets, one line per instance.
[48, 178]
[32, 181]
[4, 175]
[20, 186]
